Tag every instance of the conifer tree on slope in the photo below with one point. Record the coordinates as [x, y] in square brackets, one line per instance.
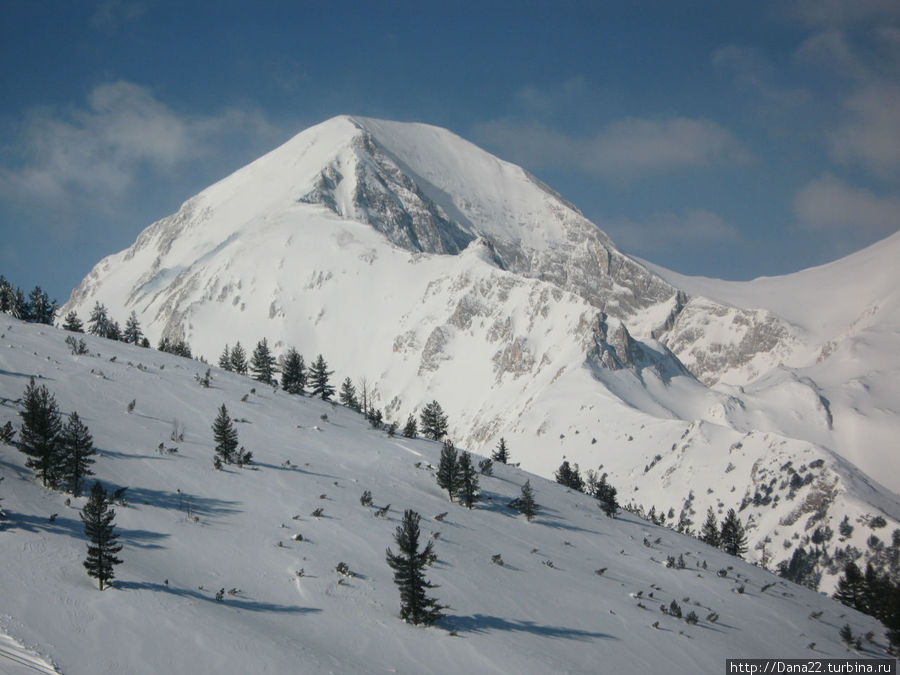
[98, 528]
[434, 421]
[467, 491]
[411, 429]
[709, 533]
[293, 373]
[348, 395]
[262, 363]
[41, 308]
[525, 503]
[39, 436]
[225, 359]
[77, 450]
[318, 379]
[98, 323]
[132, 332]
[72, 323]
[501, 453]
[569, 476]
[734, 541]
[448, 469]
[225, 436]
[239, 359]
[606, 495]
[409, 565]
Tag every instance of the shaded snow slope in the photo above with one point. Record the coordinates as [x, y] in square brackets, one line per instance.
[575, 588]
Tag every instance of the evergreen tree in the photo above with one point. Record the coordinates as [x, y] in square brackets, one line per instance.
[448, 469]
[262, 363]
[851, 588]
[77, 450]
[467, 491]
[606, 495]
[569, 476]
[98, 323]
[318, 378]
[178, 347]
[434, 421]
[734, 540]
[225, 436]
[41, 309]
[132, 332]
[801, 569]
[501, 453]
[709, 533]
[411, 429]
[409, 565]
[376, 419]
[239, 359]
[6, 295]
[73, 323]
[293, 373]
[39, 437]
[114, 332]
[348, 395]
[98, 528]
[225, 359]
[525, 503]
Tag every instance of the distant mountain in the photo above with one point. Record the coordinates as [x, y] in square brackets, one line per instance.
[230, 572]
[431, 269]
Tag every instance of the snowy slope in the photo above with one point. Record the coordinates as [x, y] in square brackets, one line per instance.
[416, 261]
[189, 530]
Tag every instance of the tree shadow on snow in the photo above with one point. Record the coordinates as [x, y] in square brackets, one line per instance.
[482, 623]
[228, 601]
[75, 528]
[296, 469]
[181, 501]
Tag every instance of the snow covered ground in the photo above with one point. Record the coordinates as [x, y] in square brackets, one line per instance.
[577, 592]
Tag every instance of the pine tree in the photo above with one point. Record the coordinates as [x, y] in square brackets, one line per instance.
[262, 363]
[39, 437]
[434, 421]
[448, 469]
[98, 528]
[293, 373]
[132, 332]
[225, 359]
[41, 308]
[409, 565]
[411, 429]
[348, 395]
[225, 436]
[72, 323]
[851, 588]
[709, 533]
[467, 491]
[98, 323]
[501, 453]
[113, 332]
[569, 476]
[239, 359]
[734, 540]
[525, 503]
[318, 378]
[606, 495]
[77, 450]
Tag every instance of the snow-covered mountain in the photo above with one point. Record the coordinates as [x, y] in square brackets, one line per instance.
[572, 591]
[431, 269]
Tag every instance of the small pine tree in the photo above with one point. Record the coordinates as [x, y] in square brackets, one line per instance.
[569, 476]
[526, 504]
[606, 495]
[318, 378]
[98, 528]
[132, 332]
[77, 451]
[225, 436]
[72, 323]
[734, 540]
[239, 359]
[411, 429]
[39, 436]
[98, 322]
[709, 533]
[434, 421]
[851, 588]
[262, 363]
[501, 453]
[293, 373]
[348, 395]
[448, 469]
[467, 490]
[225, 359]
[41, 309]
[409, 565]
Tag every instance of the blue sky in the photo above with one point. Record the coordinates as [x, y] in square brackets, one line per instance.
[726, 139]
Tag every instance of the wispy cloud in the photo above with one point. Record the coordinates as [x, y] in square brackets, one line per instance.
[662, 231]
[621, 150]
[827, 204]
[96, 151]
[751, 69]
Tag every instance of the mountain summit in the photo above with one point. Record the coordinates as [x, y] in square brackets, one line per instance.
[429, 269]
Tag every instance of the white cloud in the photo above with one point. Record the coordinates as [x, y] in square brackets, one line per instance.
[623, 149]
[665, 230]
[871, 135]
[95, 152]
[828, 204]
